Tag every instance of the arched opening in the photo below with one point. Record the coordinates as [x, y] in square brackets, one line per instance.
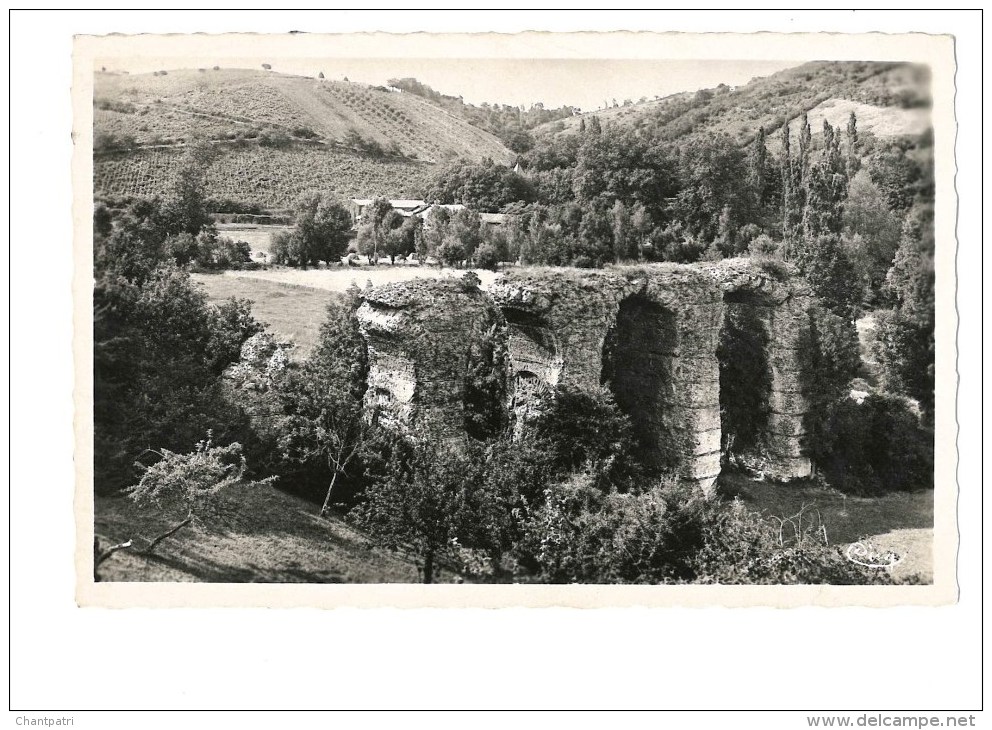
[535, 362]
[638, 362]
[745, 374]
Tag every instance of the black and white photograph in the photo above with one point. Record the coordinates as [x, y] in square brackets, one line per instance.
[376, 360]
[533, 321]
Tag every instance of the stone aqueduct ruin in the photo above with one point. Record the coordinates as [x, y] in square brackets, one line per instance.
[649, 333]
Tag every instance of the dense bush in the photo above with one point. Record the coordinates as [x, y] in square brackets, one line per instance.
[110, 142]
[159, 348]
[829, 358]
[738, 546]
[670, 534]
[875, 446]
[322, 232]
[585, 431]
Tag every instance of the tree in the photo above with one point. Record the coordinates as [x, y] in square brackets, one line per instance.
[192, 483]
[904, 338]
[829, 358]
[402, 240]
[622, 165]
[435, 230]
[713, 178]
[824, 263]
[159, 346]
[323, 400]
[585, 430]
[853, 159]
[185, 206]
[624, 238]
[461, 237]
[484, 186]
[423, 502]
[323, 227]
[871, 232]
[378, 219]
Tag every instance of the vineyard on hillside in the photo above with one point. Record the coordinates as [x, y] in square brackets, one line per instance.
[270, 177]
[228, 104]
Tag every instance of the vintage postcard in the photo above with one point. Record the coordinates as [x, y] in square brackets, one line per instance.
[536, 319]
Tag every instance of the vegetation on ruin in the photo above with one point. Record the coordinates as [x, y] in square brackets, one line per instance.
[561, 498]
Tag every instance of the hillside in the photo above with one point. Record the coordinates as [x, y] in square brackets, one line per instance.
[273, 178]
[269, 536]
[277, 135]
[889, 100]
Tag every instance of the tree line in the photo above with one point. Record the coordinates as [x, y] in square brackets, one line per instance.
[562, 498]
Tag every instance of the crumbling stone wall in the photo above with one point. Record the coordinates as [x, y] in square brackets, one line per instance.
[780, 302]
[647, 332]
[650, 333]
[419, 334]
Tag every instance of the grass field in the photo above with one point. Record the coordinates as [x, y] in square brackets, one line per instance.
[293, 303]
[899, 521]
[272, 538]
[292, 313]
[259, 237]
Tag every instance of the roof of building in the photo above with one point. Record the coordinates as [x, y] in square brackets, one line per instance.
[395, 202]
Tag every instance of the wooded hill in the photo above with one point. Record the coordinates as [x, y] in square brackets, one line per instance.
[889, 99]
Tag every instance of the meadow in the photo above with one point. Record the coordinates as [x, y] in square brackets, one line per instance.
[292, 303]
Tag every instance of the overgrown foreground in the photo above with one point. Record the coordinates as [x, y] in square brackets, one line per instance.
[277, 537]
[200, 414]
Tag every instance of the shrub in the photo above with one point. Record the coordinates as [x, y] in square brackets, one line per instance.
[190, 483]
[110, 142]
[582, 535]
[275, 140]
[671, 534]
[829, 358]
[875, 446]
[738, 546]
[304, 133]
[585, 430]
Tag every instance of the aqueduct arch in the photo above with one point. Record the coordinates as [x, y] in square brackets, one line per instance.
[650, 333]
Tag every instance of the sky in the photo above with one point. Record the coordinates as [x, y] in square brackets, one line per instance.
[584, 83]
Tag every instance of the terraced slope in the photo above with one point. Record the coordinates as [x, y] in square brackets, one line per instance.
[273, 178]
[276, 135]
[224, 103]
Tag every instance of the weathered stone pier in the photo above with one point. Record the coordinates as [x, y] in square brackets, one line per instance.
[650, 333]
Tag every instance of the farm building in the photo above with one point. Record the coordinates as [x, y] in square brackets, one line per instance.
[403, 206]
[421, 209]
